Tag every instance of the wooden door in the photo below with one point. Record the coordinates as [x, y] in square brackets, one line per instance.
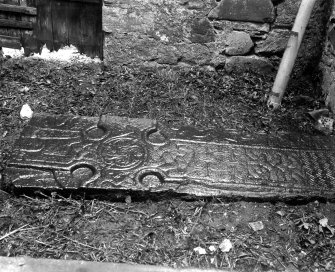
[54, 23]
[71, 22]
[17, 21]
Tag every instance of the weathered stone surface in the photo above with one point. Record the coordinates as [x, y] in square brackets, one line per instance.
[27, 264]
[129, 49]
[164, 20]
[132, 49]
[138, 32]
[327, 68]
[238, 43]
[244, 10]
[275, 43]
[68, 152]
[327, 63]
[194, 53]
[255, 64]
[218, 61]
[286, 12]
[253, 29]
[313, 42]
[141, 32]
[202, 31]
[195, 4]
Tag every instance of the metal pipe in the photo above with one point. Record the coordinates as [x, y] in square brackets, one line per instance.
[290, 54]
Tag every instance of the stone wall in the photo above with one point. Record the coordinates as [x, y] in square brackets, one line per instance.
[232, 34]
[327, 64]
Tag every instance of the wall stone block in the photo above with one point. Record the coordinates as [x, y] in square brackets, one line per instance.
[202, 31]
[238, 43]
[275, 42]
[255, 30]
[218, 61]
[286, 12]
[197, 54]
[256, 64]
[244, 10]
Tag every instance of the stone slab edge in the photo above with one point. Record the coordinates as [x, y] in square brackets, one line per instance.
[27, 264]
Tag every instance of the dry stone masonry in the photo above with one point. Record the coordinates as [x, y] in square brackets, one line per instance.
[327, 63]
[236, 34]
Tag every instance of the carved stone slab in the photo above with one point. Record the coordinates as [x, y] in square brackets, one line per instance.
[69, 152]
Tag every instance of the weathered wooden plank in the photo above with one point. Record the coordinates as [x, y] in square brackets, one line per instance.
[10, 42]
[60, 14]
[75, 25]
[10, 2]
[85, 30]
[44, 24]
[91, 25]
[18, 9]
[31, 3]
[16, 24]
[13, 32]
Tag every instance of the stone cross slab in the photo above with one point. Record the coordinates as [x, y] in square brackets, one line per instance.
[116, 153]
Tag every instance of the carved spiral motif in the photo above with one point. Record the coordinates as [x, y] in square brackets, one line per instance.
[123, 153]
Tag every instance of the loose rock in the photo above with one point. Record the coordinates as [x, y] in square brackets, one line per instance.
[226, 245]
[240, 64]
[26, 112]
[239, 43]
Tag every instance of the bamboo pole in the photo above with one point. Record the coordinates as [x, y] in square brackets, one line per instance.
[290, 54]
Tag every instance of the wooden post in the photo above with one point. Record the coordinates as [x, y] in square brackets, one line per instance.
[290, 54]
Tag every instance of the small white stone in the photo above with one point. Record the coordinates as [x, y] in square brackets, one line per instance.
[226, 245]
[323, 222]
[24, 89]
[200, 250]
[256, 226]
[26, 112]
[212, 248]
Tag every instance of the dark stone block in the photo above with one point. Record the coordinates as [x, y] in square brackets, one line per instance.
[286, 13]
[69, 153]
[275, 43]
[241, 64]
[202, 31]
[261, 11]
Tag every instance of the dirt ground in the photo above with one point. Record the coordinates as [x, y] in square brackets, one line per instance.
[205, 233]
